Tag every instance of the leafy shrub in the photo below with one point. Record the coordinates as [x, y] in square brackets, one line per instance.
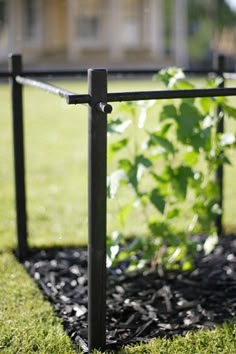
[172, 159]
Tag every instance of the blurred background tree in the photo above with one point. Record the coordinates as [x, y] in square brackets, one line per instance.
[212, 27]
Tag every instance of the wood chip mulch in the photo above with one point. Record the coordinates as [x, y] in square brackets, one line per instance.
[140, 306]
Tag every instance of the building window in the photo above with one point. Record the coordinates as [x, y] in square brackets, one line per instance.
[4, 30]
[88, 27]
[131, 31]
[89, 20]
[132, 23]
[31, 19]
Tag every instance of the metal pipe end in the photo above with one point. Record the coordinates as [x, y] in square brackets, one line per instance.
[104, 107]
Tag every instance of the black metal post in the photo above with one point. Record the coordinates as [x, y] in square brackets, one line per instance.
[15, 65]
[97, 159]
[220, 66]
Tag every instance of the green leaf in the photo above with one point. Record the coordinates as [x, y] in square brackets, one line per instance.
[163, 178]
[209, 121]
[183, 85]
[165, 128]
[124, 212]
[117, 126]
[201, 139]
[125, 164]
[220, 101]
[155, 139]
[180, 180]
[214, 82]
[187, 265]
[216, 209]
[227, 139]
[113, 148]
[210, 243]
[159, 229]
[170, 76]
[142, 117]
[157, 200]
[144, 198]
[173, 213]
[231, 111]
[168, 111]
[129, 107]
[133, 178]
[206, 104]
[116, 237]
[188, 120]
[112, 252]
[114, 181]
[142, 160]
[176, 253]
[131, 171]
[113, 247]
[136, 170]
[211, 190]
[190, 158]
[118, 145]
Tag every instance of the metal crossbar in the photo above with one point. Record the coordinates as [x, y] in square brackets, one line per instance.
[160, 95]
[113, 72]
[73, 98]
[52, 89]
[163, 94]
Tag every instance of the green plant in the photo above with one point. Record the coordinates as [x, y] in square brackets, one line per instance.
[169, 161]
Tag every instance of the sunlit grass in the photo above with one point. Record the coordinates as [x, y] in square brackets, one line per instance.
[218, 341]
[27, 321]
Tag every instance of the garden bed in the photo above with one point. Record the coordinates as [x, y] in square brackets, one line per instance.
[140, 306]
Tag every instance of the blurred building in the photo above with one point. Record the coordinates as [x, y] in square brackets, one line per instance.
[225, 41]
[94, 32]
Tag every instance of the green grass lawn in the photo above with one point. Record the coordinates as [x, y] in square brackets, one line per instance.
[56, 175]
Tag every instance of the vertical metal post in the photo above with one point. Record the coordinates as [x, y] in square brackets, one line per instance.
[97, 159]
[220, 66]
[15, 66]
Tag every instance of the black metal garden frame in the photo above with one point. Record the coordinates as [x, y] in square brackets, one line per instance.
[98, 100]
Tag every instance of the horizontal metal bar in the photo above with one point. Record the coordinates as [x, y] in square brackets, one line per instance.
[157, 95]
[166, 94]
[80, 99]
[229, 75]
[46, 73]
[57, 72]
[111, 71]
[153, 71]
[43, 86]
[52, 89]
[5, 74]
[72, 98]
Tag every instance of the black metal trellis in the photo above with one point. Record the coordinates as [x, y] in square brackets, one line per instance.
[98, 107]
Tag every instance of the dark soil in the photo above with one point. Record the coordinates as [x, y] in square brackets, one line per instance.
[140, 306]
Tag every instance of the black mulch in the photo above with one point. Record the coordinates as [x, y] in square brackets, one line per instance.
[140, 306]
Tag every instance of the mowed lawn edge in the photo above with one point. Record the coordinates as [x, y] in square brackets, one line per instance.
[27, 321]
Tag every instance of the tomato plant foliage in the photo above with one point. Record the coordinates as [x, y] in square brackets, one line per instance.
[166, 159]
